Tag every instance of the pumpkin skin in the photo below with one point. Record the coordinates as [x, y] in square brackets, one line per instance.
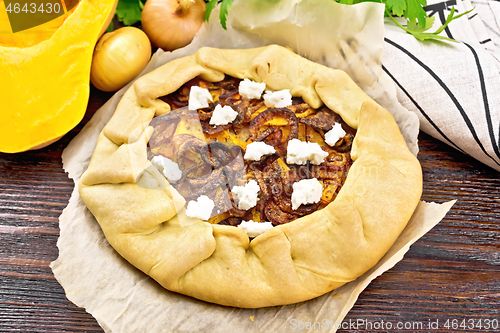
[44, 80]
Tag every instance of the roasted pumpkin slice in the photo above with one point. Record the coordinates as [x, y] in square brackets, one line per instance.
[44, 85]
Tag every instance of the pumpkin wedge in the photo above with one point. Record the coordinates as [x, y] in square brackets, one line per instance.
[44, 76]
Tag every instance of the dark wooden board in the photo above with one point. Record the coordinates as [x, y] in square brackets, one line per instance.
[452, 273]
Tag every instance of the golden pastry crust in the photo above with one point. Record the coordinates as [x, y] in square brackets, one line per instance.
[142, 217]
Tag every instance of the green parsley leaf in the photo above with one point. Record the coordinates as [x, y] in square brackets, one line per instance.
[397, 7]
[415, 27]
[450, 18]
[347, 2]
[415, 10]
[225, 6]
[129, 11]
[419, 32]
[210, 6]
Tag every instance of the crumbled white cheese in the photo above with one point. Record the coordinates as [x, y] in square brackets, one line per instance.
[247, 195]
[306, 191]
[198, 98]
[251, 89]
[299, 152]
[253, 229]
[223, 115]
[334, 135]
[278, 99]
[256, 150]
[201, 208]
[169, 168]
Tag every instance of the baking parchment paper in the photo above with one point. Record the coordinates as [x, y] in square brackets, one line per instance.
[122, 298]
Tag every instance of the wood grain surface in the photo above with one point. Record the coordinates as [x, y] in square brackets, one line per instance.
[451, 275]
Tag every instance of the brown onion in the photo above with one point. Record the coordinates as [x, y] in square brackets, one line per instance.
[172, 24]
[119, 57]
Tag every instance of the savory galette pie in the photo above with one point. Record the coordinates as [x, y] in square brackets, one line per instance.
[251, 178]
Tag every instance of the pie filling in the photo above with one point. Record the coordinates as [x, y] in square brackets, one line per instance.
[257, 157]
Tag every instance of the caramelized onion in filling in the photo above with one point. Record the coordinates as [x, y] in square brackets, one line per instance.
[211, 157]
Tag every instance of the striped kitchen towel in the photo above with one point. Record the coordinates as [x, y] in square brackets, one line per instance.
[454, 88]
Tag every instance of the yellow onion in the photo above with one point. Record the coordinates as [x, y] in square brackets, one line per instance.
[172, 24]
[119, 57]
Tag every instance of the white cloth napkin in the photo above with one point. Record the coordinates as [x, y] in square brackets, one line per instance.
[454, 88]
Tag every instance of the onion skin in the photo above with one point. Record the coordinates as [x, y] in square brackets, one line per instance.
[172, 24]
[119, 57]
